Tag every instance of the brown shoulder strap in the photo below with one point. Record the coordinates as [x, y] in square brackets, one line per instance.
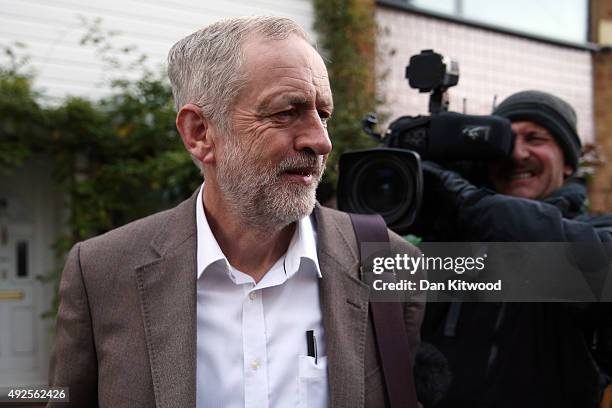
[388, 321]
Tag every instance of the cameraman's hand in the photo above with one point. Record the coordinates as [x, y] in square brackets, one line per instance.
[444, 191]
[445, 187]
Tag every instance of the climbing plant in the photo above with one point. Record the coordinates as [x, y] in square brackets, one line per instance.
[346, 36]
[115, 159]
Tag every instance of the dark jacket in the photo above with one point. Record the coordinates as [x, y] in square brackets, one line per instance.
[526, 354]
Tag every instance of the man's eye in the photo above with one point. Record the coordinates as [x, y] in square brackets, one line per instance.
[537, 138]
[325, 116]
[286, 113]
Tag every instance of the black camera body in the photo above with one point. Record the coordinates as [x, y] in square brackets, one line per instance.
[388, 180]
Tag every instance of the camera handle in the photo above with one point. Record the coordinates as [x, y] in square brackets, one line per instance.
[438, 101]
[369, 123]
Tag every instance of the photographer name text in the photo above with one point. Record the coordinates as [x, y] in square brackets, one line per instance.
[426, 285]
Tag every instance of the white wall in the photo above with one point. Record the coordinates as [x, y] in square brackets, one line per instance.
[51, 29]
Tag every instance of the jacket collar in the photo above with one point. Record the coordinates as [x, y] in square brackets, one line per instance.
[570, 198]
[167, 289]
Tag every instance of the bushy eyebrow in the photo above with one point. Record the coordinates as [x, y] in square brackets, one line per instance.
[327, 103]
[539, 133]
[290, 98]
[293, 99]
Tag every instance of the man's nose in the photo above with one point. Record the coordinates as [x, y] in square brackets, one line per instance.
[312, 134]
[521, 150]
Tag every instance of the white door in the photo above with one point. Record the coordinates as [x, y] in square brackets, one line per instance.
[18, 334]
[25, 255]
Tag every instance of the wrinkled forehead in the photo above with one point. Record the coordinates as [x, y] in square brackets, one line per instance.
[524, 126]
[291, 56]
[290, 65]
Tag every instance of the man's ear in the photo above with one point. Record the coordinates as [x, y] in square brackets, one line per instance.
[196, 133]
[567, 171]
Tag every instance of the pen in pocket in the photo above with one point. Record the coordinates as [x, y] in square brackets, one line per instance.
[311, 344]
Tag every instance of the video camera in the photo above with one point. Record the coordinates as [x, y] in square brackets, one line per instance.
[388, 180]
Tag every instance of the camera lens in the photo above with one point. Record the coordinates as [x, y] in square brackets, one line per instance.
[385, 181]
[385, 186]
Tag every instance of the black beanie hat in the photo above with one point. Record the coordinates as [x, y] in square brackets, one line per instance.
[550, 112]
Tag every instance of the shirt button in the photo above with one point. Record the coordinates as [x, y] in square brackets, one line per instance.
[255, 364]
[252, 295]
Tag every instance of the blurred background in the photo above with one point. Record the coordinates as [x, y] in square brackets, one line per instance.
[87, 137]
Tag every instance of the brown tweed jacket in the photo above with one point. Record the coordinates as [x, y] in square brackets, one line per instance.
[126, 327]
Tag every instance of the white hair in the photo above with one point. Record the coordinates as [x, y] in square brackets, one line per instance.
[206, 67]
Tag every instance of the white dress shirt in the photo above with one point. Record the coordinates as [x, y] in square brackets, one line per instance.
[251, 338]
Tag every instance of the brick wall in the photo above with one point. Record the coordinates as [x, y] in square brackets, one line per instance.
[601, 186]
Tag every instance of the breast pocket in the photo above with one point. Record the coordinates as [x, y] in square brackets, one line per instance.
[312, 382]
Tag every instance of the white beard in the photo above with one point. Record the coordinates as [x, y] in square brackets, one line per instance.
[257, 194]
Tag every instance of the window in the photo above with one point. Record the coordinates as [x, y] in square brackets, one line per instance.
[22, 259]
[564, 20]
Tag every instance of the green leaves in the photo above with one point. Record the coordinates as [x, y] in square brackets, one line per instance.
[20, 114]
[115, 160]
[346, 37]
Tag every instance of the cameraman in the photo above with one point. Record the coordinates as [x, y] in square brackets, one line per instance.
[521, 354]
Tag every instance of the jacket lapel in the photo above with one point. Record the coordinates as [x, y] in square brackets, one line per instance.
[167, 289]
[344, 306]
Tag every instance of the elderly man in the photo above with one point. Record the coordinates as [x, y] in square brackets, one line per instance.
[524, 354]
[241, 295]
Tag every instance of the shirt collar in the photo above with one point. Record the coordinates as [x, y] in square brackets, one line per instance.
[209, 251]
[302, 248]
